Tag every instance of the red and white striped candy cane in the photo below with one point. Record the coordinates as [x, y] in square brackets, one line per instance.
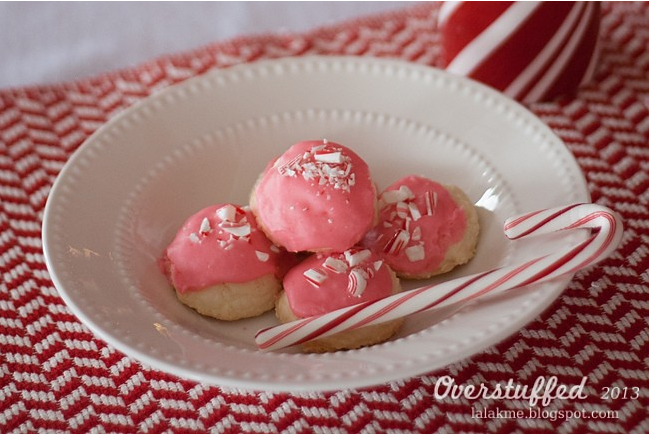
[606, 234]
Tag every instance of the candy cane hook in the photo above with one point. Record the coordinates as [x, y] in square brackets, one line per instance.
[606, 228]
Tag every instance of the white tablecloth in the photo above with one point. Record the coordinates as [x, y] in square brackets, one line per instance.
[46, 42]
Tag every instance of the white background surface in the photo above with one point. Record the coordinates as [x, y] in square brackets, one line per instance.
[48, 42]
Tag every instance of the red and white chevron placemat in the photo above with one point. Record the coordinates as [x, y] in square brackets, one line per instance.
[55, 376]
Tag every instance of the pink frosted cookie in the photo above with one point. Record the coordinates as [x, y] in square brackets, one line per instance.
[318, 196]
[223, 266]
[425, 228]
[325, 282]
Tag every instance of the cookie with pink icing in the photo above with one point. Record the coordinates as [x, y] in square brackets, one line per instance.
[425, 228]
[326, 282]
[318, 196]
[222, 265]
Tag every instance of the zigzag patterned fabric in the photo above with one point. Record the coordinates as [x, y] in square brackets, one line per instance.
[56, 376]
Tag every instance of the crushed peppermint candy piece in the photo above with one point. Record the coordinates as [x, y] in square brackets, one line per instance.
[394, 196]
[415, 236]
[205, 226]
[402, 209]
[335, 265]
[325, 164]
[262, 256]
[237, 230]
[227, 213]
[356, 258]
[398, 241]
[328, 157]
[193, 237]
[357, 282]
[415, 252]
[431, 202]
[356, 263]
[315, 277]
[288, 168]
[414, 211]
[403, 212]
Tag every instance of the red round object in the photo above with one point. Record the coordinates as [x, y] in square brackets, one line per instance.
[531, 51]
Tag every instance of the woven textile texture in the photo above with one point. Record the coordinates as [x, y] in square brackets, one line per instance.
[55, 376]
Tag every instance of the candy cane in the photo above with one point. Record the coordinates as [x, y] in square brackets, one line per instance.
[604, 239]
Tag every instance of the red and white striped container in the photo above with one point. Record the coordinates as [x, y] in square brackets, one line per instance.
[531, 51]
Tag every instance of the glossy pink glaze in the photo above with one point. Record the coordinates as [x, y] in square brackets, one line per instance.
[231, 250]
[304, 211]
[414, 234]
[308, 297]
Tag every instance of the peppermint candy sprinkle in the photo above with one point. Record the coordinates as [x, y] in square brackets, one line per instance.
[354, 262]
[405, 211]
[356, 258]
[231, 225]
[394, 196]
[415, 252]
[398, 242]
[324, 164]
[335, 265]
[315, 277]
[262, 256]
[205, 226]
[357, 282]
[227, 213]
